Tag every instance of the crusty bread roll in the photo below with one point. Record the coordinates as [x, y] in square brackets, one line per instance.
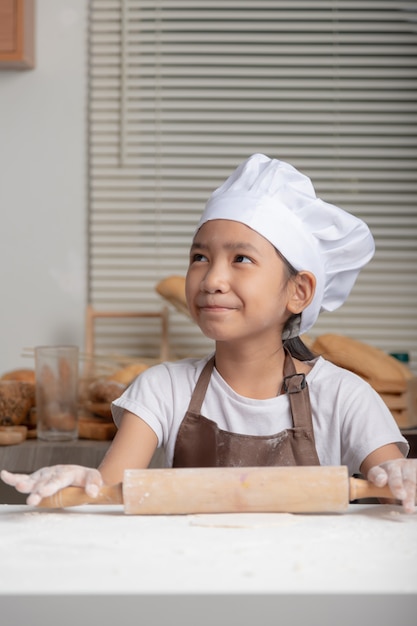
[10, 435]
[383, 372]
[95, 428]
[103, 390]
[17, 398]
[172, 289]
[99, 394]
[26, 375]
[127, 374]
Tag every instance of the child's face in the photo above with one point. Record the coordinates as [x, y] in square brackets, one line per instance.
[236, 284]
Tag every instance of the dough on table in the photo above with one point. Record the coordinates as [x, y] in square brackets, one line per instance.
[242, 520]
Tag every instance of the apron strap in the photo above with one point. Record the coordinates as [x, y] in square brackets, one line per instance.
[294, 385]
[201, 387]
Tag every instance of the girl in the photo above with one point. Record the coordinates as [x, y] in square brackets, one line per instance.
[266, 258]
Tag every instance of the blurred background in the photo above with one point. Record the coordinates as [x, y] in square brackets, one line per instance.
[134, 111]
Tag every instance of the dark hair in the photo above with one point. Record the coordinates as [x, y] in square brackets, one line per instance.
[298, 349]
[295, 346]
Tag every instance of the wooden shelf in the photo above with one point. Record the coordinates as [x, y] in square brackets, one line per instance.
[17, 34]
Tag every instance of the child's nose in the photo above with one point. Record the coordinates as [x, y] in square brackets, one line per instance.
[214, 280]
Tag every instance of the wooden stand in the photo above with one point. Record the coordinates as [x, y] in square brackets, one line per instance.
[403, 405]
[92, 315]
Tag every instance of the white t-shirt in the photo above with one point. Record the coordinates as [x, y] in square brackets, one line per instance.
[350, 420]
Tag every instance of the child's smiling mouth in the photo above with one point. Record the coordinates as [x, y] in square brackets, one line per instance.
[213, 307]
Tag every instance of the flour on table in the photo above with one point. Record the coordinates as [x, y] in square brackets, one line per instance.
[243, 520]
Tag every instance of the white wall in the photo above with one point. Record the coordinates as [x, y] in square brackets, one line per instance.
[43, 188]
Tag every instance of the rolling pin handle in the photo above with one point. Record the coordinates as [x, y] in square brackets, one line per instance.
[76, 496]
[360, 488]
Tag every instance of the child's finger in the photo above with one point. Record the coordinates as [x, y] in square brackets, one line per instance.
[378, 476]
[410, 486]
[22, 482]
[395, 480]
[401, 476]
[93, 482]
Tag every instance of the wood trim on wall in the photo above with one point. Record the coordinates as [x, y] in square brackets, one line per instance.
[17, 34]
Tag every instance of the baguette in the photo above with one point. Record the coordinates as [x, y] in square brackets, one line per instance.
[127, 374]
[383, 372]
[172, 289]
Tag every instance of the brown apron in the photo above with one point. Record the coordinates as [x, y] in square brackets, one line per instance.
[201, 443]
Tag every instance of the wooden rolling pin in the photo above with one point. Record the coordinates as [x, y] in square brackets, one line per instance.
[228, 490]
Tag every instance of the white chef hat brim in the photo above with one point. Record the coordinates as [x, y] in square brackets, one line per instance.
[280, 203]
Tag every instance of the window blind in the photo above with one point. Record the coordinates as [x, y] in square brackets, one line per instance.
[181, 91]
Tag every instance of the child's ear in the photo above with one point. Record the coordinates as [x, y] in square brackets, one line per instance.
[302, 288]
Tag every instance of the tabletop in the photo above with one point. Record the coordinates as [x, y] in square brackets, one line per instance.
[129, 565]
[94, 564]
[97, 548]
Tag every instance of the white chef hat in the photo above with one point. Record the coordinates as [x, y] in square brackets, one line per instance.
[278, 202]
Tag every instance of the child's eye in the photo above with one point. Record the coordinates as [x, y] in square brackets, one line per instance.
[241, 258]
[198, 258]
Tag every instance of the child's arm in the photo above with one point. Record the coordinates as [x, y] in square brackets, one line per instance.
[132, 448]
[387, 466]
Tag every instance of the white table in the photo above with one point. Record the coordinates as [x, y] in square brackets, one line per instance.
[256, 562]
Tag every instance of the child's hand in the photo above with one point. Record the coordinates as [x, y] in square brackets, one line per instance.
[48, 480]
[401, 477]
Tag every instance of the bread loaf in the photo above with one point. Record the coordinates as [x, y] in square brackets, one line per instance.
[17, 398]
[383, 372]
[94, 428]
[173, 290]
[11, 435]
[127, 374]
[103, 390]
[25, 375]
